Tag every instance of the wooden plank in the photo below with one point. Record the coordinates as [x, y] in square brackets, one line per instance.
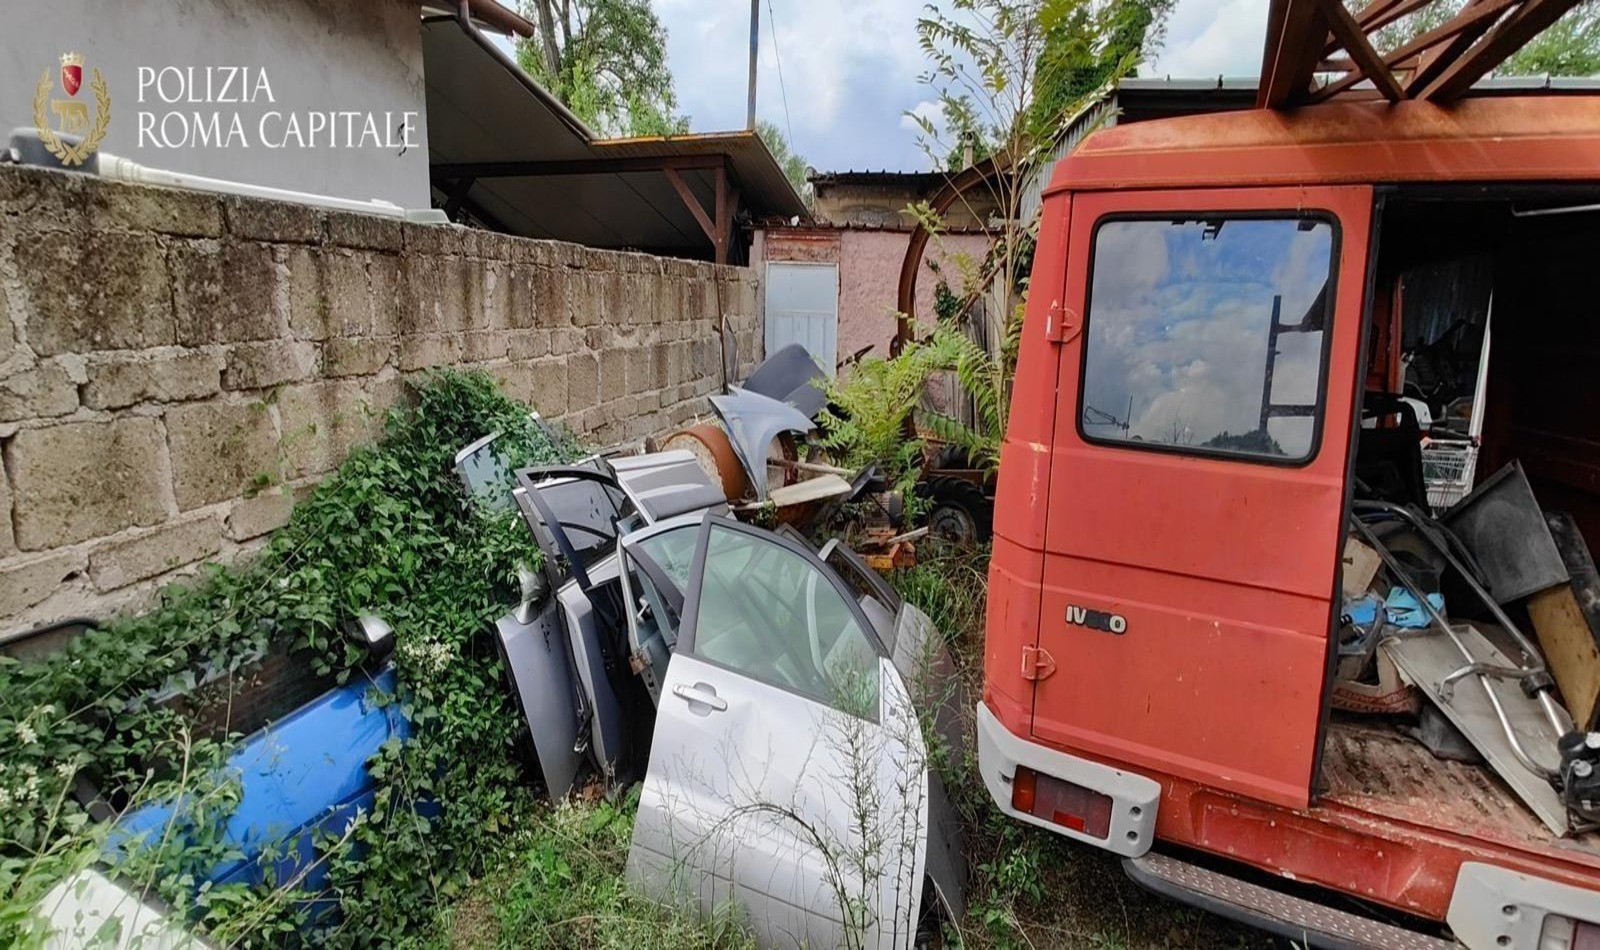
[1470, 24]
[1509, 36]
[1295, 29]
[692, 203]
[1371, 65]
[1569, 649]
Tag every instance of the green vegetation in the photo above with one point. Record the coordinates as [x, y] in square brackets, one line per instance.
[792, 163]
[388, 534]
[607, 61]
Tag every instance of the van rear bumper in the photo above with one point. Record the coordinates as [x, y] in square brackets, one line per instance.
[1134, 797]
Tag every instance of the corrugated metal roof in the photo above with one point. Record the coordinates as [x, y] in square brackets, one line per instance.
[483, 108]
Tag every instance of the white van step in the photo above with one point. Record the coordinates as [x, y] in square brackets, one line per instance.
[1305, 922]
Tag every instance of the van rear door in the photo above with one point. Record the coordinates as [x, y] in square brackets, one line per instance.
[1209, 344]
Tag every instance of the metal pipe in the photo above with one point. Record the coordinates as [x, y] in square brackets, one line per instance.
[1404, 577]
[1500, 617]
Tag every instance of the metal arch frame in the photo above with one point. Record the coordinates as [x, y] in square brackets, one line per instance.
[1304, 38]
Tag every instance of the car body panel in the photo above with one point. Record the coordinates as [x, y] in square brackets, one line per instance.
[299, 777]
[752, 790]
[751, 803]
[753, 421]
[539, 660]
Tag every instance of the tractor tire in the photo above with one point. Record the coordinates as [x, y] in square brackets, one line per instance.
[951, 456]
[961, 513]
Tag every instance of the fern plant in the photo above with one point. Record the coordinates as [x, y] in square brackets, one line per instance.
[874, 406]
[985, 378]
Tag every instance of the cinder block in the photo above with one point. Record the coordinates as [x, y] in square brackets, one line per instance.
[371, 231]
[323, 421]
[41, 391]
[86, 480]
[224, 292]
[420, 352]
[279, 222]
[86, 291]
[253, 517]
[361, 356]
[267, 364]
[583, 382]
[550, 386]
[25, 582]
[151, 553]
[125, 207]
[166, 376]
[219, 450]
[482, 346]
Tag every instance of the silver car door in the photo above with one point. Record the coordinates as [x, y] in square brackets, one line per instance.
[775, 704]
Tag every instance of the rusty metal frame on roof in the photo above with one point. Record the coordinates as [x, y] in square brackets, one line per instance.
[1318, 49]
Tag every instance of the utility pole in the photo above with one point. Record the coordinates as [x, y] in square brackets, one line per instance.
[755, 37]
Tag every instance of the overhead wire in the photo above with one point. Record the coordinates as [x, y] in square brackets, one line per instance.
[772, 27]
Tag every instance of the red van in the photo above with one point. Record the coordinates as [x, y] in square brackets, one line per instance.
[1212, 297]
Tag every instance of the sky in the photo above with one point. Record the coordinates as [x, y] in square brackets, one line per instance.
[850, 69]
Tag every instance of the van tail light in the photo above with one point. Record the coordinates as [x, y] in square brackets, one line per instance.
[1080, 809]
[1564, 933]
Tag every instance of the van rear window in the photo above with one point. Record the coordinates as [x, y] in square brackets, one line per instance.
[1207, 335]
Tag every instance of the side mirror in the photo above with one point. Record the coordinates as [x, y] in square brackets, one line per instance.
[533, 586]
[375, 634]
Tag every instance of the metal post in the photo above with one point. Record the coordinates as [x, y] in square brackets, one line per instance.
[755, 37]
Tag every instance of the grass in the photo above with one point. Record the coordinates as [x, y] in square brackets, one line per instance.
[1029, 887]
[561, 882]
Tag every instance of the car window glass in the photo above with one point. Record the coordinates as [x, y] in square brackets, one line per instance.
[765, 611]
[673, 552]
[1207, 335]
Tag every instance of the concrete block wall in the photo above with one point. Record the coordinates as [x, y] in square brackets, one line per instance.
[175, 366]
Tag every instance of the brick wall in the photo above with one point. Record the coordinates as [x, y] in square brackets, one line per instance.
[174, 366]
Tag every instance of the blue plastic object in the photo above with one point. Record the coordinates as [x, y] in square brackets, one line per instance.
[1363, 610]
[1404, 610]
[301, 776]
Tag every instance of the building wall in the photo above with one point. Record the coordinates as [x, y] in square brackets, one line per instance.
[355, 55]
[175, 366]
[869, 283]
[884, 205]
[869, 274]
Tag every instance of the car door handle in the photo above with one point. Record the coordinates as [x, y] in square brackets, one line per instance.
[701, 694]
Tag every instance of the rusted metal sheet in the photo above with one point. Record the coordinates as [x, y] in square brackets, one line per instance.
[1537, 138]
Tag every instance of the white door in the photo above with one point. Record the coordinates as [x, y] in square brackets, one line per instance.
[777, 702]
[803, 307]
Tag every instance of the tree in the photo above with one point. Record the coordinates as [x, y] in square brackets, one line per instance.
[1011, 76]
[1569, 47]
[606, 60]
[794, 167]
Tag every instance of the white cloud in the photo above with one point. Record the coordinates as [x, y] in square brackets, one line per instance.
[1208, 38]
[928, 111]
[849, 71]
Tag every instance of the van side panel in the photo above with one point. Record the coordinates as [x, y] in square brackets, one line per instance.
[1017, 563]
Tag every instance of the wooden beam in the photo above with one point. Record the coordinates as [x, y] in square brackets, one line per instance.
[1434, 61]
[1376, 16]
[1295, 29]
[719, 236]
[692, 203]
[1368, 62]
[1472, 17]
[1510, 35]
[577, 166]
